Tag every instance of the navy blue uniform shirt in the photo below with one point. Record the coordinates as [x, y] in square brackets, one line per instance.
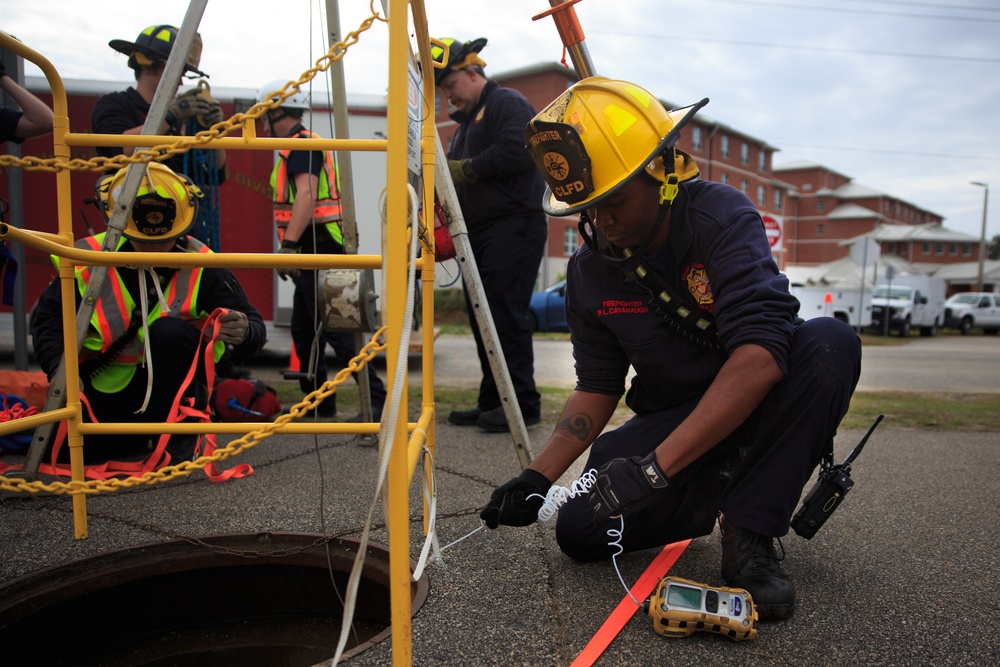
[492, 136]
[718, 258]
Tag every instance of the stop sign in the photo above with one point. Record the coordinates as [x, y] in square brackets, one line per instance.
[773, 230]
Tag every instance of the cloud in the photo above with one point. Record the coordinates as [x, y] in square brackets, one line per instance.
[821, 85]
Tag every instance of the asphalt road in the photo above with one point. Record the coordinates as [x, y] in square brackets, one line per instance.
[901, 576]
[960, 364]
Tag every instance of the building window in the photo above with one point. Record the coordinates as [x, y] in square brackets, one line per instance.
[953, 249]
[745, 153]
[724, 179]
[761, 196]
[570, 240]
[926, 248]
[966, 249]
[819, 229]
[745, 186]
[939, 248]
[762, 161]
[777, 200]
[820, 204]
[725, 146]
[696, 138]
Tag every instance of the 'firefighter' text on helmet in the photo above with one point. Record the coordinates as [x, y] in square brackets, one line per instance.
[594, 137]
[153, 45]
[459, 56]
[166, 204]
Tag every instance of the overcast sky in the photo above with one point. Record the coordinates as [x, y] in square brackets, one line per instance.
[903, 97]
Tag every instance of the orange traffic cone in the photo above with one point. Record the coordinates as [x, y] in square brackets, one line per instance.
[293, 361]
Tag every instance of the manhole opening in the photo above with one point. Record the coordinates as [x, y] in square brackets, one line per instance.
[176, 603]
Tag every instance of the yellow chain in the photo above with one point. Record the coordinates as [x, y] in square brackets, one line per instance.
[252, 439]
[182, 145]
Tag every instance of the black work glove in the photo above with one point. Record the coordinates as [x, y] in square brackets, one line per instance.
[622, 483]
[461, 171]
[289, 248]
[184, 106]
[510, 505]
[3, 69]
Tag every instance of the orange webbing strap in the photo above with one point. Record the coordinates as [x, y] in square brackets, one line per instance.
[626, 608]
[179, 410]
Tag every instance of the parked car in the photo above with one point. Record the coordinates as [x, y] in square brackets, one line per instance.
[966, 310]
[548, 309]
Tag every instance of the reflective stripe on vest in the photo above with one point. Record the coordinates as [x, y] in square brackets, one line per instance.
[114, 307]
[327, 209]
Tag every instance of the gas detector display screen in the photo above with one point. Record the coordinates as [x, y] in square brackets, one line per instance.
[682, 596]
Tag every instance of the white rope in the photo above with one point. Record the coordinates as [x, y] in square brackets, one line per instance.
[387, 433]
[143, 303]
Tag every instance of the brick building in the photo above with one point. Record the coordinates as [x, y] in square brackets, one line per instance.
[810, 210]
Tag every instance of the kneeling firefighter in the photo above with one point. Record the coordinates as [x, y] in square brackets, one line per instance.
[147, 325]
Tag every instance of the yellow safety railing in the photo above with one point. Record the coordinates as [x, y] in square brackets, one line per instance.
[419, 436]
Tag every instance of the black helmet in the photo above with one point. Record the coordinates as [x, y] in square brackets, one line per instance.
[460, 56]
[153, 45]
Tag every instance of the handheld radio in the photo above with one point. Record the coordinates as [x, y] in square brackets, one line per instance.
[828, 493]
[680, 607]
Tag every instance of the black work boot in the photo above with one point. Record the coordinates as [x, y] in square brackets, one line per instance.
[750, 562]
[465, 417]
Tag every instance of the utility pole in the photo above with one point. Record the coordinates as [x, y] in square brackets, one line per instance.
[982, 234]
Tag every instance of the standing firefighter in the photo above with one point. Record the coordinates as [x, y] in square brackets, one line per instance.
[307, 214]
[190, 111]
[500, 194]
[736, 399]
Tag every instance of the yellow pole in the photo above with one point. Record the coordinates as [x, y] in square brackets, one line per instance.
[395, 275]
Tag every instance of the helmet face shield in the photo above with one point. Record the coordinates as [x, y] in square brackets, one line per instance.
[598, 134]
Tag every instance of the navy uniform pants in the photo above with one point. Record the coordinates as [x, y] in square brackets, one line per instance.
[755, 476]
[508, 254]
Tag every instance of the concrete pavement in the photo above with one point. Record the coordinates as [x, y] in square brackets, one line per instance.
[903, 574]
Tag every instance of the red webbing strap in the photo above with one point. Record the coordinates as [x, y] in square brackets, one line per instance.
[626, 608]
[178, 411]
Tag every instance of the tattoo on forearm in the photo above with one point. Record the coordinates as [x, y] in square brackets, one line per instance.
[578, 425]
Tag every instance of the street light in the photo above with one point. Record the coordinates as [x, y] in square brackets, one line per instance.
[982, 235]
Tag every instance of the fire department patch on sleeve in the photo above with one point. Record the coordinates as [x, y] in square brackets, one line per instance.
[696, 279]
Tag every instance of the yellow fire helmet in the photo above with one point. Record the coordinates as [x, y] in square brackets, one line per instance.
[166, 204]
[591, 139]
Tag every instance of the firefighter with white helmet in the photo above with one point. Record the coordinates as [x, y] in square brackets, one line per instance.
[305, 187]
[125, 343]
[736, 400]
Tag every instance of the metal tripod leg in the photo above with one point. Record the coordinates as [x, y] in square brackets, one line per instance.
[477, 296]
[157, 111]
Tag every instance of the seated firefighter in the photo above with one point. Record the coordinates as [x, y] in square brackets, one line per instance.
[147, 325]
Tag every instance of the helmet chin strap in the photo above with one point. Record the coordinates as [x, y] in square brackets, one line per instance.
[271, 120]
[610, 253]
